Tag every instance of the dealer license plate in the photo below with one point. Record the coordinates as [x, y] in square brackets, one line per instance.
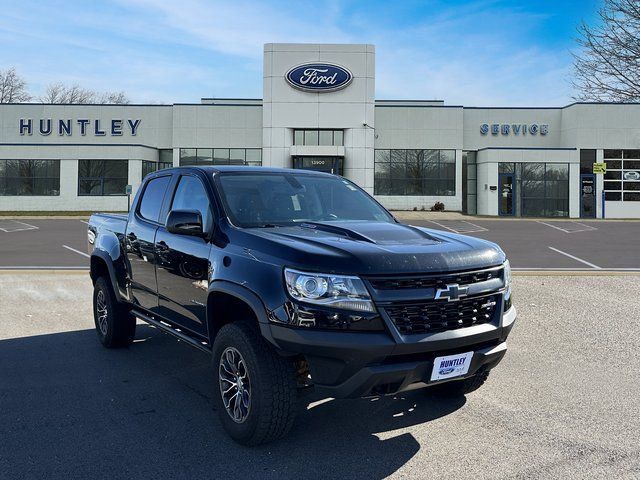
[451, 366]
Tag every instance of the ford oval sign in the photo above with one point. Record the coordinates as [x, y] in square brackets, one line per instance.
[319, 77]
[631, 175]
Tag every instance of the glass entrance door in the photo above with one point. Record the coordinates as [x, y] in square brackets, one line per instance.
[506, 194]
[587, 196]
[320, 164]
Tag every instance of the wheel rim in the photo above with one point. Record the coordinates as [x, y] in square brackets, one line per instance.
[235, 386]
[102, 312]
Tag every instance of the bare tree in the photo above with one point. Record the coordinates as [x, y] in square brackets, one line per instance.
[13, 89]
[75, 94]
[608, 66]
[114, 97]
[61, 93]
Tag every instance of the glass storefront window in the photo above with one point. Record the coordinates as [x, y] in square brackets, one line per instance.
[236, 156]
[325, 137]
[150, 167]
[311, 137]
[254, 156]
[314, 137]
[204, 156]
[542, 189]
[469, 183]
[102, 177]
[415, 172]
[29, 177]
[188, 156]
[165, 156]
[220, 156]
[506, 167]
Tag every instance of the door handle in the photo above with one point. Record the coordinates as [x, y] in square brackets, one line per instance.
[132, 237]
[161, 246]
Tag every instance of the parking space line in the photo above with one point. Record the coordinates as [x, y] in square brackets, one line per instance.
[478, 228]
[553, 226]
[28, 225]
[84, 221]
[11, 230]
[577, 259]
[587, 228]
[443, 226]
[76, 251]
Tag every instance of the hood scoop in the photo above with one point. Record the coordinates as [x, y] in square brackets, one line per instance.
[378, 233]
[345, 232]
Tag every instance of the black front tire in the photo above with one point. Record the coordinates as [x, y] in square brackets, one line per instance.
[115, 325]
[459, 388]
[267, 387]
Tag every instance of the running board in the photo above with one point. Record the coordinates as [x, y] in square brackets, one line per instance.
[176, 332]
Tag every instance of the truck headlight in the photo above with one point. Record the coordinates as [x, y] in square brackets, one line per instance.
[507, 275]
[508, 298]
[328, 290]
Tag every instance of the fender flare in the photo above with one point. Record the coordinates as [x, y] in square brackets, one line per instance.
[107, 248]
[250, 298]
[108, 261]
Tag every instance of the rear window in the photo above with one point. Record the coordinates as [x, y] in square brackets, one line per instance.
[151, 202]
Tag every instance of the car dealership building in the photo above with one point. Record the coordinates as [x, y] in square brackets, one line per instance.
[319, 111]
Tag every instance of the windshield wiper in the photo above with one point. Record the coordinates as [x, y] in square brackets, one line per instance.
[268, 225]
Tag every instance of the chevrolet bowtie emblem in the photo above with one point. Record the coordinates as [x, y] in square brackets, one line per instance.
[452, 292]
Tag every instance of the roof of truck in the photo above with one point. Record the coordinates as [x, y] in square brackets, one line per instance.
[246, 168]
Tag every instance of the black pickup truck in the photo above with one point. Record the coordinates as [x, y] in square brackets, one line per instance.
[298, 281]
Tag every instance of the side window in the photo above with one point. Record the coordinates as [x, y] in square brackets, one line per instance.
[151, 202]
[191, 195]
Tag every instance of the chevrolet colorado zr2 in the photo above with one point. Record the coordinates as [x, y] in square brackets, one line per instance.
[295, 280]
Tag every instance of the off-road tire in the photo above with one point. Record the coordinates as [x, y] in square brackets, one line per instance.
[459, 388]
[273, 393]
[116, 327]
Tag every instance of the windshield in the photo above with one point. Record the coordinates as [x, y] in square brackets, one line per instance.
[275, 199]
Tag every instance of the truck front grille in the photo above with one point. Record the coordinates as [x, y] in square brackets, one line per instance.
[434, 280]
[437, 316]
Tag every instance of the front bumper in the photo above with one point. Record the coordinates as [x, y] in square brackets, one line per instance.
[356, 364]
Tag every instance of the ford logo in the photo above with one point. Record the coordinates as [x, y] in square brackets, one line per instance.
[446, 371]
[632, 175]
[319, 77]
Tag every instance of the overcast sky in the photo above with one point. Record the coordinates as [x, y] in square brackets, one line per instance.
[475, 53]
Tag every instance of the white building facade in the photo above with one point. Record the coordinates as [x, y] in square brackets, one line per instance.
[319, 111]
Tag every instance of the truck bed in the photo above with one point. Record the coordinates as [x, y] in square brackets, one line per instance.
[105, 222]
[114, 222]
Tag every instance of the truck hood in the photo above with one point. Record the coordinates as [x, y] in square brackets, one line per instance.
[369, 248]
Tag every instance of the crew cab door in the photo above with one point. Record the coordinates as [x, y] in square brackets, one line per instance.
[140, 240]
[183, 260]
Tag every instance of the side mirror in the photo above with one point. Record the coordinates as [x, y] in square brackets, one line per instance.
[185, 222]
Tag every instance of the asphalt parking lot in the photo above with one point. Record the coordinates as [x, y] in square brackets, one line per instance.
[556, 244]
[529, 244]
[50, 243]
[563, 404]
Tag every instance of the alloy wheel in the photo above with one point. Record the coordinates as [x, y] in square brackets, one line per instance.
[235, 386]
[102, 312]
